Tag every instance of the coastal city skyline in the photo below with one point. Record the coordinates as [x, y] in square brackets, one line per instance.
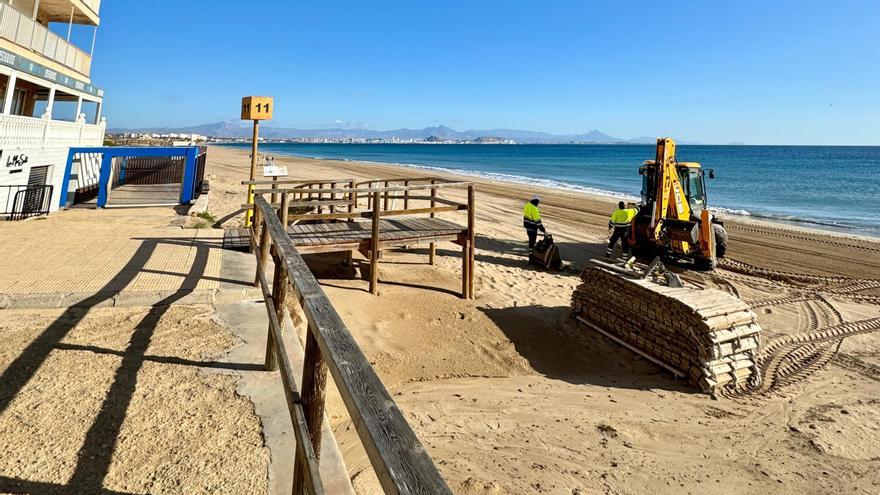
[749, 73]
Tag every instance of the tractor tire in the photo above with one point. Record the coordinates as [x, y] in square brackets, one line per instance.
[720, 240]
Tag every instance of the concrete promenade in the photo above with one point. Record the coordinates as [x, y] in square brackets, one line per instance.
[56, 273]
[112, 257]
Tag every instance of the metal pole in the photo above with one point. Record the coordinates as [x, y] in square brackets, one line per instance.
[94, 35]
[70, 24]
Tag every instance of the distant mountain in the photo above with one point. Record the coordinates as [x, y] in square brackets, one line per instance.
[237, 129]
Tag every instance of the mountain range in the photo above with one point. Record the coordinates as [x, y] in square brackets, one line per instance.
[235, 129]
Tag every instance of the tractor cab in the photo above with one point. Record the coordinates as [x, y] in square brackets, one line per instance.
[692, 179]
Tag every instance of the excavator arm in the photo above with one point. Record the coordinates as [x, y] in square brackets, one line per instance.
[671, 203]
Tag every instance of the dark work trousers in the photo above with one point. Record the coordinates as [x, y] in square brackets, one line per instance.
[533, 237]
[621, 233]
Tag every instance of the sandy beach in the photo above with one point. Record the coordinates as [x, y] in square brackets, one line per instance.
[511, 396]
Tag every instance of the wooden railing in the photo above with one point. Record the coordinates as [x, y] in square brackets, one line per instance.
[399, 459]
[381, 197]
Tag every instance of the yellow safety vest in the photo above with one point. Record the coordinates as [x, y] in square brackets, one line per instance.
[622, 218]
[530, 212]
[532, 218]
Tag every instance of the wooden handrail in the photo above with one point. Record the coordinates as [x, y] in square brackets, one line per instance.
[399, 459]
[404, 179]
[305, 452]
[303, 182]
[417, 187]
[382, 213]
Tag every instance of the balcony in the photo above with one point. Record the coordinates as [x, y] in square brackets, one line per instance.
[27, 33]
[93, 5]
[29, 132]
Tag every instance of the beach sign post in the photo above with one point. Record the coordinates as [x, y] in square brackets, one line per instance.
[255, 108]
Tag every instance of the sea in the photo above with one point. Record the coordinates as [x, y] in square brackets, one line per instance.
[826, 187]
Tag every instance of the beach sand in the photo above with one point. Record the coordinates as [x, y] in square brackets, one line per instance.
[511, 396]
[123, 404]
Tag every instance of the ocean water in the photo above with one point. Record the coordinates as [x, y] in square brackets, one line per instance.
[829, 187]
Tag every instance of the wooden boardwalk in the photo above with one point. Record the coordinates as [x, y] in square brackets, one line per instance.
[347, 236]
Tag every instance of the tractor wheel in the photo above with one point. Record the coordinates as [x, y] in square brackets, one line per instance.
[720, 240]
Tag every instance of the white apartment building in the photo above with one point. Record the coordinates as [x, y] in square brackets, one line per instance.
[47, 99]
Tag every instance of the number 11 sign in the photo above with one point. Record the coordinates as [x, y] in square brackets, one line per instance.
[255, 108]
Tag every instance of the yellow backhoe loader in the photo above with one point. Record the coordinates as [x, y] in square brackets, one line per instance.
[705, 335]
[673, 218]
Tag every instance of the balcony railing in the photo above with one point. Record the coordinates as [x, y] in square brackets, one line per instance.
[29, 132]
[95, 5]
[24, 31]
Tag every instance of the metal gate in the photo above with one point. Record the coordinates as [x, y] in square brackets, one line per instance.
[26, 201]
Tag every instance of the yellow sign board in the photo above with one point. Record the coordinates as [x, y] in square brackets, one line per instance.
[257, 107]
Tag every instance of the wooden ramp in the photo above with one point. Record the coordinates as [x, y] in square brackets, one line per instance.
[237, 238]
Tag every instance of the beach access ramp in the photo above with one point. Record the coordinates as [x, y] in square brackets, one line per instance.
[343, 215]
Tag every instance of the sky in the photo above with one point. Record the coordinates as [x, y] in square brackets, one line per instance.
[759, 72]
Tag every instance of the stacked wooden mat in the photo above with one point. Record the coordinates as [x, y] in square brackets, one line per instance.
[707, 335]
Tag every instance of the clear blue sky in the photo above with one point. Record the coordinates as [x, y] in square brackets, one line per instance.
[763, 72]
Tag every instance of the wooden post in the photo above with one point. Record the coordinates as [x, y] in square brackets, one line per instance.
[250, 199]
[352, 205]
[314, 389]
[314, 386]
[279, 294]
[258, 218]
[352, 199]
[333, 198]
[406, 195]
[374, 248]
[472, 238]
[284, 211]
[274, 186]
[386, 197]
[264, 251]
[320, 198]
[432, 253]
[465, 264]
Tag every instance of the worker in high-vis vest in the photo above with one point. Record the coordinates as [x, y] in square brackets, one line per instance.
[620, 223]
[532, 221]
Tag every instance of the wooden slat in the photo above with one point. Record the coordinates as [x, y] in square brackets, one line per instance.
[325, 202]
[399, 459]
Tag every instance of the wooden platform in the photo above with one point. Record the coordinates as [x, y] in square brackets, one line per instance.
[347, 236]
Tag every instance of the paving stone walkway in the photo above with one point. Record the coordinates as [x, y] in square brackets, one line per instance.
[119, 250]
